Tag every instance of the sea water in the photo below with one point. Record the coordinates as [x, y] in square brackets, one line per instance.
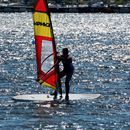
[100, 47]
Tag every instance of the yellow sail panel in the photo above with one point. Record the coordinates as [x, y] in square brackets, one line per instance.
[46, 84]
[42, 26]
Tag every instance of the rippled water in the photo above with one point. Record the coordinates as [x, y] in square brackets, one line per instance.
[100, 47]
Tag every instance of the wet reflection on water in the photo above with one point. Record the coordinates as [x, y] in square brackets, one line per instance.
[99, 45]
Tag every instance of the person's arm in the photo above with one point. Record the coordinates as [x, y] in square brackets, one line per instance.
[70, 59]
[60, 57]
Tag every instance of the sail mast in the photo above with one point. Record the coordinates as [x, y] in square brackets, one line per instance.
[54, 47]
[53, 40]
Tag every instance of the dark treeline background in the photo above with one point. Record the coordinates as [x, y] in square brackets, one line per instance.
[71, 2]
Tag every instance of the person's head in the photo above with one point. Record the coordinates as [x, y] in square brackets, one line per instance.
[65, 51]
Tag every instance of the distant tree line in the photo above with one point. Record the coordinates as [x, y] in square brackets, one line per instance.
[90, 1]
[67, 2]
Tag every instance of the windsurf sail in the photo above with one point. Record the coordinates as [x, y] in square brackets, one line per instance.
[45, 46]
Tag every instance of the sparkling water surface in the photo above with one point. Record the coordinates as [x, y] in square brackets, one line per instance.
[100, 47]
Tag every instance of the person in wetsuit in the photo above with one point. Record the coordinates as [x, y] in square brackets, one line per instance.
[67, 71]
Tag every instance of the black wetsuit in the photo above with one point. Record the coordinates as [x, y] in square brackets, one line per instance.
[68, 72]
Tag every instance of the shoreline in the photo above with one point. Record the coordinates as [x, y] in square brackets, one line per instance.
[11, 9]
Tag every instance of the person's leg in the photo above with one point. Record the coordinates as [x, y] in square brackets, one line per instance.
[67, 91]
[61, 75]
[59, 89]
[67, 85]
[67, 82]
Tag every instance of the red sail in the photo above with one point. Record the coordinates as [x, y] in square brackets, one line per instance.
[45, 45]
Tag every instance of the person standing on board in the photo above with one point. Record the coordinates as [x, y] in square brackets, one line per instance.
[68, 70]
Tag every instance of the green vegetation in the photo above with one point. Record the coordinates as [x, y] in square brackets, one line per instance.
[120, 2]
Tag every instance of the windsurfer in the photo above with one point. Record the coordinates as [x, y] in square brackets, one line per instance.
[67, 71]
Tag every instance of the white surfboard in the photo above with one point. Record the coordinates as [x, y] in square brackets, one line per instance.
[47, 97]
